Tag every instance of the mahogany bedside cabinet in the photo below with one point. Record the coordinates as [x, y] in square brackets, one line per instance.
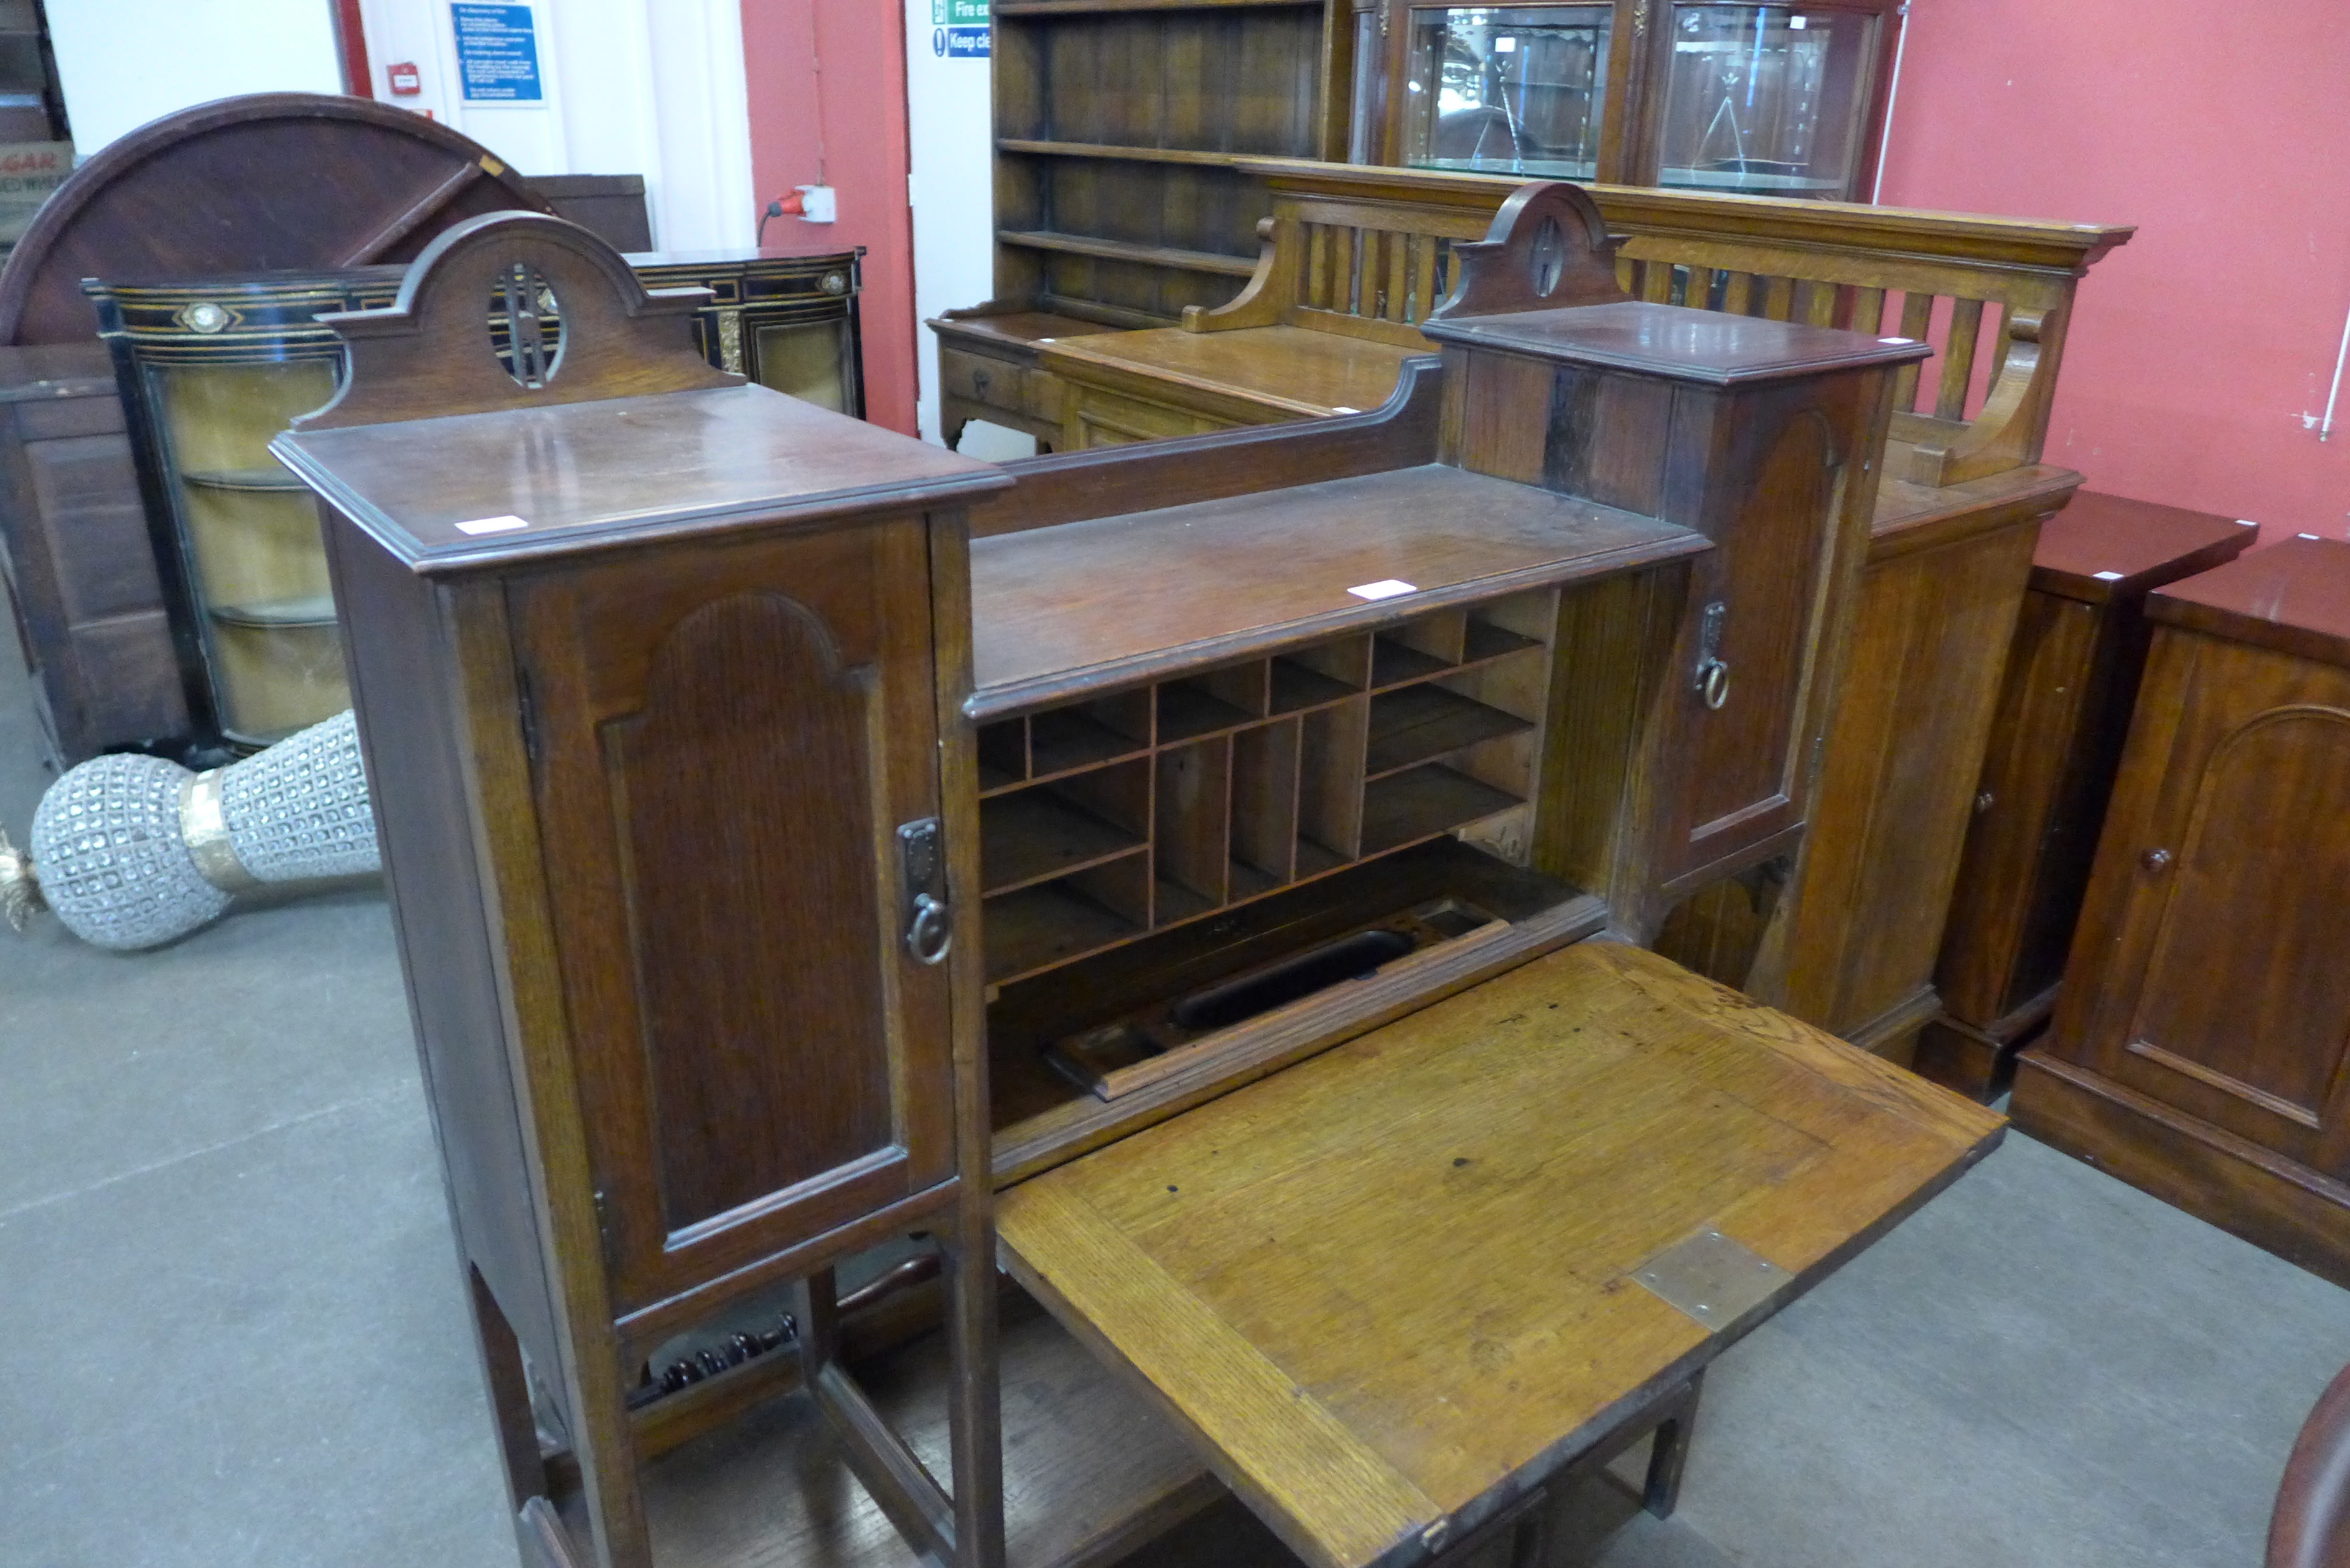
[2063, 709]
[2199, 1040]
[801, 839]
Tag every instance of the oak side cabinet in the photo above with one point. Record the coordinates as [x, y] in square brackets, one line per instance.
[660, 748]
[2073, 671]
[2200, 1042]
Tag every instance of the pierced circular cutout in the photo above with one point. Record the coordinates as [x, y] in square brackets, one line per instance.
[525, 326]
[1548, 256]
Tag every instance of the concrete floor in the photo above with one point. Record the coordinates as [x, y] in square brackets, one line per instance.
[231, 1333]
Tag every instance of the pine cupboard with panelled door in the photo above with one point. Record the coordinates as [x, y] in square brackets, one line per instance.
[806, 845]
[2203, 1029]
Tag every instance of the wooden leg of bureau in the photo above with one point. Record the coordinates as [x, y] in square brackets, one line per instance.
[509, 1389]
[2269, 1201]
[1660, 1494]
[976, 1417]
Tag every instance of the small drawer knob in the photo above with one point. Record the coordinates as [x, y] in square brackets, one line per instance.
[1984, 801]
[2156, 860]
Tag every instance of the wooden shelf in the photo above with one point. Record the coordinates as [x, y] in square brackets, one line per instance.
[1250, 881]
[1419, 802]
[275, 615]
[1035, 833]
[1486, 641]
[1090, 1470]
[1121, 250]
[1296, 688]
[244, 479]
[1420, 724]
[1061, 740]
[1394, 663]
[1047, 924]
[1186, 713]
[1176, 903]
[1313, 860]
[1116, 151]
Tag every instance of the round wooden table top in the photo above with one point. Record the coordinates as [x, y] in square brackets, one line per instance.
[255, 183]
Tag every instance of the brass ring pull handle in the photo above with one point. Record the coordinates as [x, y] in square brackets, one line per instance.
[1712, 670]
[1714, 684]
[932, 932]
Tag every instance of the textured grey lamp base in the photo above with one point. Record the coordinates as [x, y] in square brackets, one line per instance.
[133, 851]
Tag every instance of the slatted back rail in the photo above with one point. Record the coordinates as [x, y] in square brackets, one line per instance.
[1362, 269]
[1365, 253]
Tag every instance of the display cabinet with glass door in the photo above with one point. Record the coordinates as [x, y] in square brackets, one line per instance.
[788, 322]
[1784, 100]
[211, 371]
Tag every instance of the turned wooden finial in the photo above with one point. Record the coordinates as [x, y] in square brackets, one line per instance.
[1548, 247]
[515, 310]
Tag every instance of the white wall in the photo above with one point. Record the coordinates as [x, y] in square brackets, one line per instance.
[622, 96]
[125, 62]
[947, 121]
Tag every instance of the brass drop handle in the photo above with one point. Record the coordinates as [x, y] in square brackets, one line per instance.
[979, 382]
[1712, 670]
[932, 932]
[930, 923]
[2156, 860]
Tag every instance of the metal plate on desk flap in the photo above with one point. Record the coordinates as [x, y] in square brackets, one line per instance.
[1712, 1278]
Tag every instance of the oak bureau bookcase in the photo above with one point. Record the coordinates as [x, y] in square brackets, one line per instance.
[803, 839]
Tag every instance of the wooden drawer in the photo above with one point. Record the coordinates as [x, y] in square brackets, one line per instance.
[981, 378]
[1388, 1289]
[1098, 417]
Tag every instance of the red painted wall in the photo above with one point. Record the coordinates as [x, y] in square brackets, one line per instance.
[852, 115]
[2223, 133]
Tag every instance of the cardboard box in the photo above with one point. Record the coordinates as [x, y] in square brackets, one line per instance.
[29, 170]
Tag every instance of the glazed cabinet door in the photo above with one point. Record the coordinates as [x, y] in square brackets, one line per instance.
[2208, 969]
[727, 744]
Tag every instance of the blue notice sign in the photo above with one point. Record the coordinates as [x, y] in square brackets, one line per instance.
[497, 53]
[959, 43]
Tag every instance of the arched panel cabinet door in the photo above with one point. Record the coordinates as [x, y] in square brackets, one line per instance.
[2275, 1042]
[2212, 953]
[1745, 701]
[2208, 989]
[729, 747]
